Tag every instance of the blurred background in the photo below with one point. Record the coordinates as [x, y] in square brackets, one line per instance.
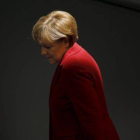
[108, 29]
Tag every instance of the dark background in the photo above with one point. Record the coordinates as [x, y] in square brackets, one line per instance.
[108, 30]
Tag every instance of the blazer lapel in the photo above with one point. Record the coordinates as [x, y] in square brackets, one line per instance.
[55, 78]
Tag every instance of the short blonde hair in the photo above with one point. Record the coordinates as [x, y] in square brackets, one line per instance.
[55, 26]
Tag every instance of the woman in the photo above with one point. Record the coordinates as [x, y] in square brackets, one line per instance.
[77, 103]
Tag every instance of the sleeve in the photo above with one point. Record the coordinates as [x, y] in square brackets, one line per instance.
[80, 89]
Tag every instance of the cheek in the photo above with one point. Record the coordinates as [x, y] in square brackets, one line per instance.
[55, 54]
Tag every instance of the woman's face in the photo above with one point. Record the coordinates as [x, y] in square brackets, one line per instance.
[54, 52]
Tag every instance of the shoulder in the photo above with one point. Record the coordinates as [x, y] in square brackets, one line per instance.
[81, 64]
[81, 60]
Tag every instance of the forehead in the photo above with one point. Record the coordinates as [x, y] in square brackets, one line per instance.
[44, 42]
[47, 43]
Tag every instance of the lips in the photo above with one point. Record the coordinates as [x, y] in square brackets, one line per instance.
[48, 57]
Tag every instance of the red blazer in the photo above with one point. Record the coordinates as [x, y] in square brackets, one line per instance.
[78, 109]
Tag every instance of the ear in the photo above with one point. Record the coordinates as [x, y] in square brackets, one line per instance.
[66, 41]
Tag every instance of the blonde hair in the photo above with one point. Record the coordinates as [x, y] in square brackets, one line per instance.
[55, 26]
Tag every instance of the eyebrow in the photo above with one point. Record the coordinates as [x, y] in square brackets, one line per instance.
[43, 44]
[46, 46]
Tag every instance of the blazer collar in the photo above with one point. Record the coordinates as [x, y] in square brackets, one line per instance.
[71, 51]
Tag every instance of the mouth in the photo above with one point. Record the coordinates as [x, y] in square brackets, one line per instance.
[49, 57]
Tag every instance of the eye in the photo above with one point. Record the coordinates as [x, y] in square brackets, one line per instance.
[48, 47]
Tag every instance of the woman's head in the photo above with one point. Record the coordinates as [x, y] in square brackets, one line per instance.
[56, 27]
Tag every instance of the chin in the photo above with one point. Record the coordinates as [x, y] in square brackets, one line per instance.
[53, 62]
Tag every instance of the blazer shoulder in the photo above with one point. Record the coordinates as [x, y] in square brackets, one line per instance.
[81, 59]
[71, 62]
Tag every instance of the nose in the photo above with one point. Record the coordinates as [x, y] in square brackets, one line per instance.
[43, 51]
